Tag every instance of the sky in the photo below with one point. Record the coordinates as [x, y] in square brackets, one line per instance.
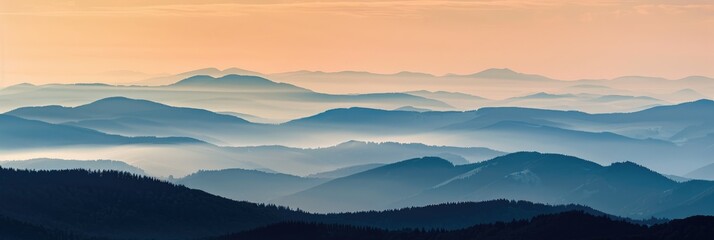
[55, 41]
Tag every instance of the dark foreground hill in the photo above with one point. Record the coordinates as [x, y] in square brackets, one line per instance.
[121, 205]
[572, 225]
[78, 204]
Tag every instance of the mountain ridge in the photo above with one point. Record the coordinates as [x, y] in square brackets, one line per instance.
[25, 133]
[116, 205]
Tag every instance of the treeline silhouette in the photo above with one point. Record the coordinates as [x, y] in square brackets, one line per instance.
[118, 204]
[452, 215]
[571, 225]
[83, 205]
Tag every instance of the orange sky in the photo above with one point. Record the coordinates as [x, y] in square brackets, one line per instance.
[64, 41]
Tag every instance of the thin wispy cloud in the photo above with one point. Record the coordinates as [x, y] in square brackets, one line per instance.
[221, 9]
[356, 8]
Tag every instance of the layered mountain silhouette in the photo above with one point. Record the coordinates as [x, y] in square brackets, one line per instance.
[260, 186]
[670, 119]
[624, 189]
[505, 73]
[346, 171]
[304, 161]
[248, 185]
[243, 82]
[596, 101]
[673, 116]
[376, 120]
[244, 94]
[113, 205]
[635, 92]
[513, 135]
[341, 170]
[403, 74]
[19, 133]
[706, 172]
[134, 117]
[178, 159]
[124, 108]
[213, 72]
[376, 188]
[616, 98]
[652, 137]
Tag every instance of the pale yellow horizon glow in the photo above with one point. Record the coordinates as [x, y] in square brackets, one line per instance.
[49, 41]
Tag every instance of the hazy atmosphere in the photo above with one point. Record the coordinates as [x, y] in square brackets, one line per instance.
[322, 120]
[47, 41]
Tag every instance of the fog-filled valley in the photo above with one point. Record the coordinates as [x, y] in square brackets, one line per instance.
[275, 98]
[356, 120]
[304, 130]
[257, 150]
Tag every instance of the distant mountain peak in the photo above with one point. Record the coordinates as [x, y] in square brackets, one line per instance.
[424, 161]
[498, 71]
[414, 163]
[123, 102]
[631, 169]
[412, 109]
[506, 73]
[227, 79]
[412, 74]
[689, 92]
[43, 134]
[125, 112]
[230, 171]
[697, 78]
[104, 105]
[351, 143]
[23, 85]
[530, 157]
[626, 164]
[211, 71]
[545, 95]
[703, 102]
[694, 105]
[526, 155]
[240, 82]
[215, 72]
[352, 110]
[117, 98]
